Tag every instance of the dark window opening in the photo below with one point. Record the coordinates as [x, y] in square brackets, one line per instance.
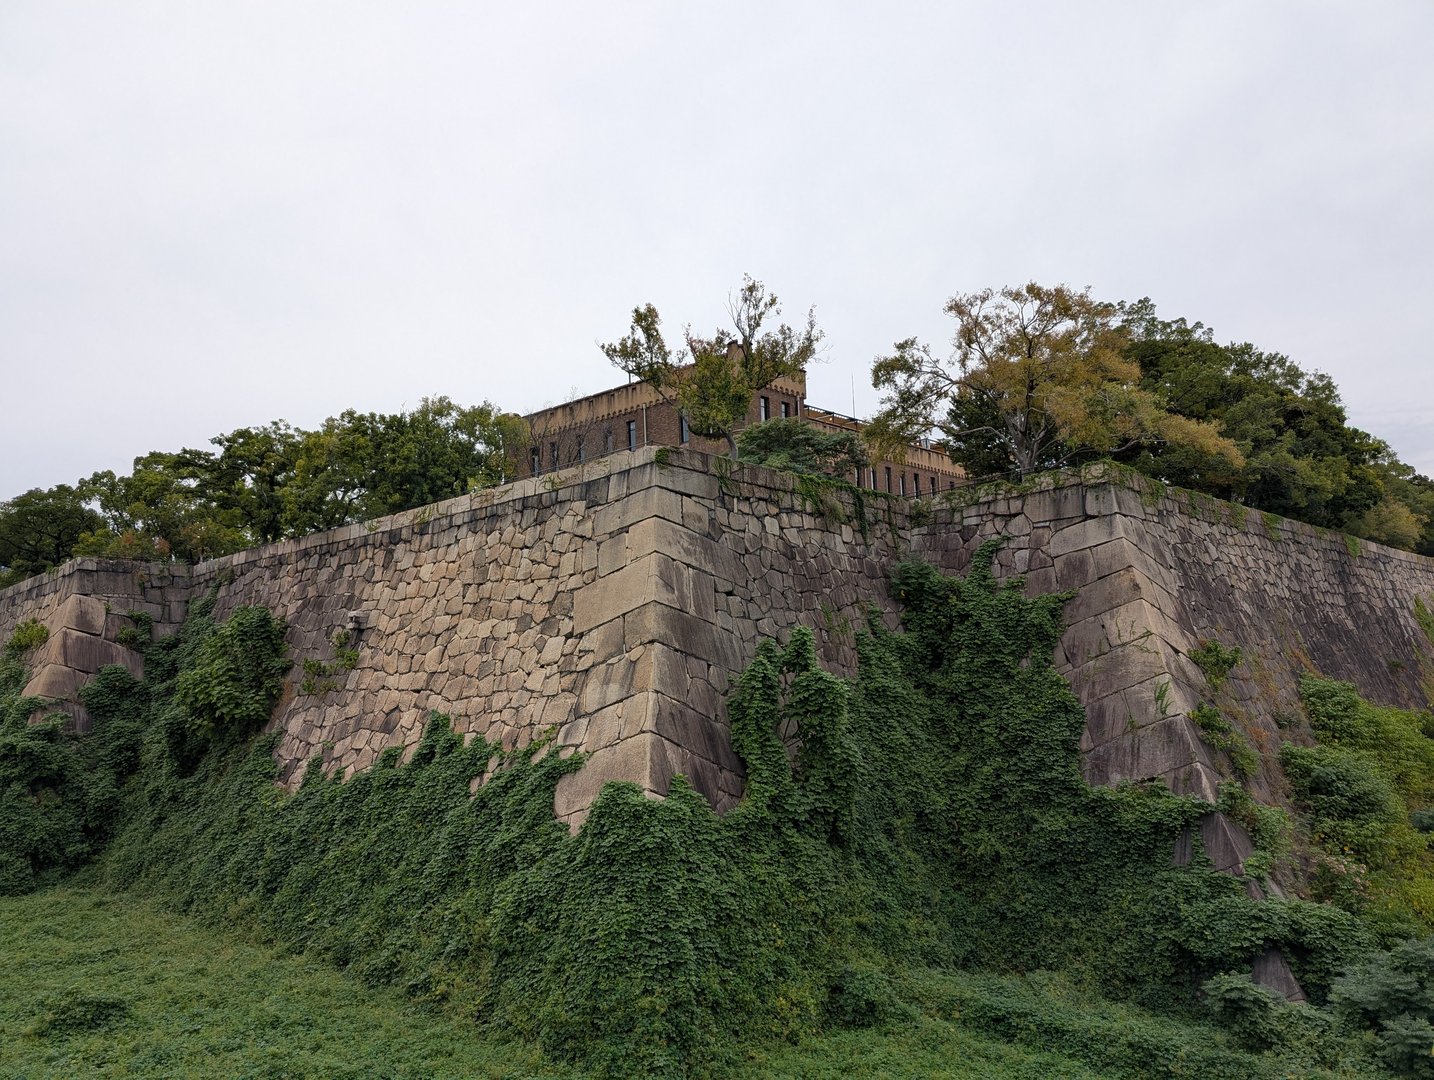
[901, 480]
[888, 478]
[536, 457]
[683, 435]
[632, 434]
[582, 451]
[766, 410]
[607, 441]
[553, 454]
[787, 410]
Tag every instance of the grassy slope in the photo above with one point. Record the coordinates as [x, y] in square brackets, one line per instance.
[197, 1002]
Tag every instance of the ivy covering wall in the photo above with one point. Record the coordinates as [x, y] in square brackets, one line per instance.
[934, 818]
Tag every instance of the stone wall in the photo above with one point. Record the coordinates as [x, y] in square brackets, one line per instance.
[85, 604]
[611, 604]
[1158, 573]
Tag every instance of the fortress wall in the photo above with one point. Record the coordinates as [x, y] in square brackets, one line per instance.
[85, 605]
[612, 603]
[1156, 574]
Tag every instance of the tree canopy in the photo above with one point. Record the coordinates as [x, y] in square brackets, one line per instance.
[1301, 457]
[262, 484]
[1038, 377]
[713, 379]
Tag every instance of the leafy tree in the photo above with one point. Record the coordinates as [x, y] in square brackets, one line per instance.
[796, 446]
[39, 529]
[713, 379]
[161, 509]
[263, 484]
[364, 465]
[1038, 377]
[1302, 459]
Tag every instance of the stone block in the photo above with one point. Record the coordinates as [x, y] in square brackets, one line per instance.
[54, 681]
[1147, 753]
[86, 653]
[1085, 534]
[83, 613]
[1226, 843]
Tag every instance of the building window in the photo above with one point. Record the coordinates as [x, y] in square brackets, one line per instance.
[858, 476]
[933, 485]
[871, 477]
[888, 478]
[683, 435]
[916, 483]
[553, 454]
[582, 450]
[766, 410]
[632, 434]
[607, 441]
[951, 485]
[536, 458]
[902, 481]
[786, 409]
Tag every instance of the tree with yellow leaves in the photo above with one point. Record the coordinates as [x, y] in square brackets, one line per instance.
[1037, 378]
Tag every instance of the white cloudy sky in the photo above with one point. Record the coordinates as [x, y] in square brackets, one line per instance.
[214, 214]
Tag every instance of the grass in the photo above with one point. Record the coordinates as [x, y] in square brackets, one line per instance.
[97, 984]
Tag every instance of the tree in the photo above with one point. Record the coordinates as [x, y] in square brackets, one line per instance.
[1302, 459]
[39, 529]
[712, 380]
[1037, 378]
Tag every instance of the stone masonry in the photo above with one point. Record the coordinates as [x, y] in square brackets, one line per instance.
[609, 606]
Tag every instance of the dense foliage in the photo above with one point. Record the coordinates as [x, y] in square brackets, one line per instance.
[261, 484]
[793, 445]
[58, 794]
[1037, 378]
[1041, 377]
[1301, 458]
[1361, 790]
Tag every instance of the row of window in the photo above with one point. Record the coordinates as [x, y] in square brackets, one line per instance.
[899, 479]
[535, 454]
[684, 434]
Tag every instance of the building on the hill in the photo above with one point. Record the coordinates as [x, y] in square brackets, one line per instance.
[635, 415]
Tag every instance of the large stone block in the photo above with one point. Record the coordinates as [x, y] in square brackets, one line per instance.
[83, 613]
[56, 682]
[86, 652]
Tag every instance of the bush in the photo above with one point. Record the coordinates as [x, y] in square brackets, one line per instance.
[229, 687]
[1393, 993]
[30, 634]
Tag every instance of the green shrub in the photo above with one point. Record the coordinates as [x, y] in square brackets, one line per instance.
[1216, 661]
[1393, 993]
[228, 688]
[30, 634]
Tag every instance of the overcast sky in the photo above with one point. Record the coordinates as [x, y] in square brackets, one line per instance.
[217, 214]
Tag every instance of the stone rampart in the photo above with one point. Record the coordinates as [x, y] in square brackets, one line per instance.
[612, 604]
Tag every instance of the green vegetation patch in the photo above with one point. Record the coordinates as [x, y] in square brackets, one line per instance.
[101, 984]
[1363, 791]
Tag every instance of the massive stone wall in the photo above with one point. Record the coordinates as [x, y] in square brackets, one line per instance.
[611, 604]
[1156, 575]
